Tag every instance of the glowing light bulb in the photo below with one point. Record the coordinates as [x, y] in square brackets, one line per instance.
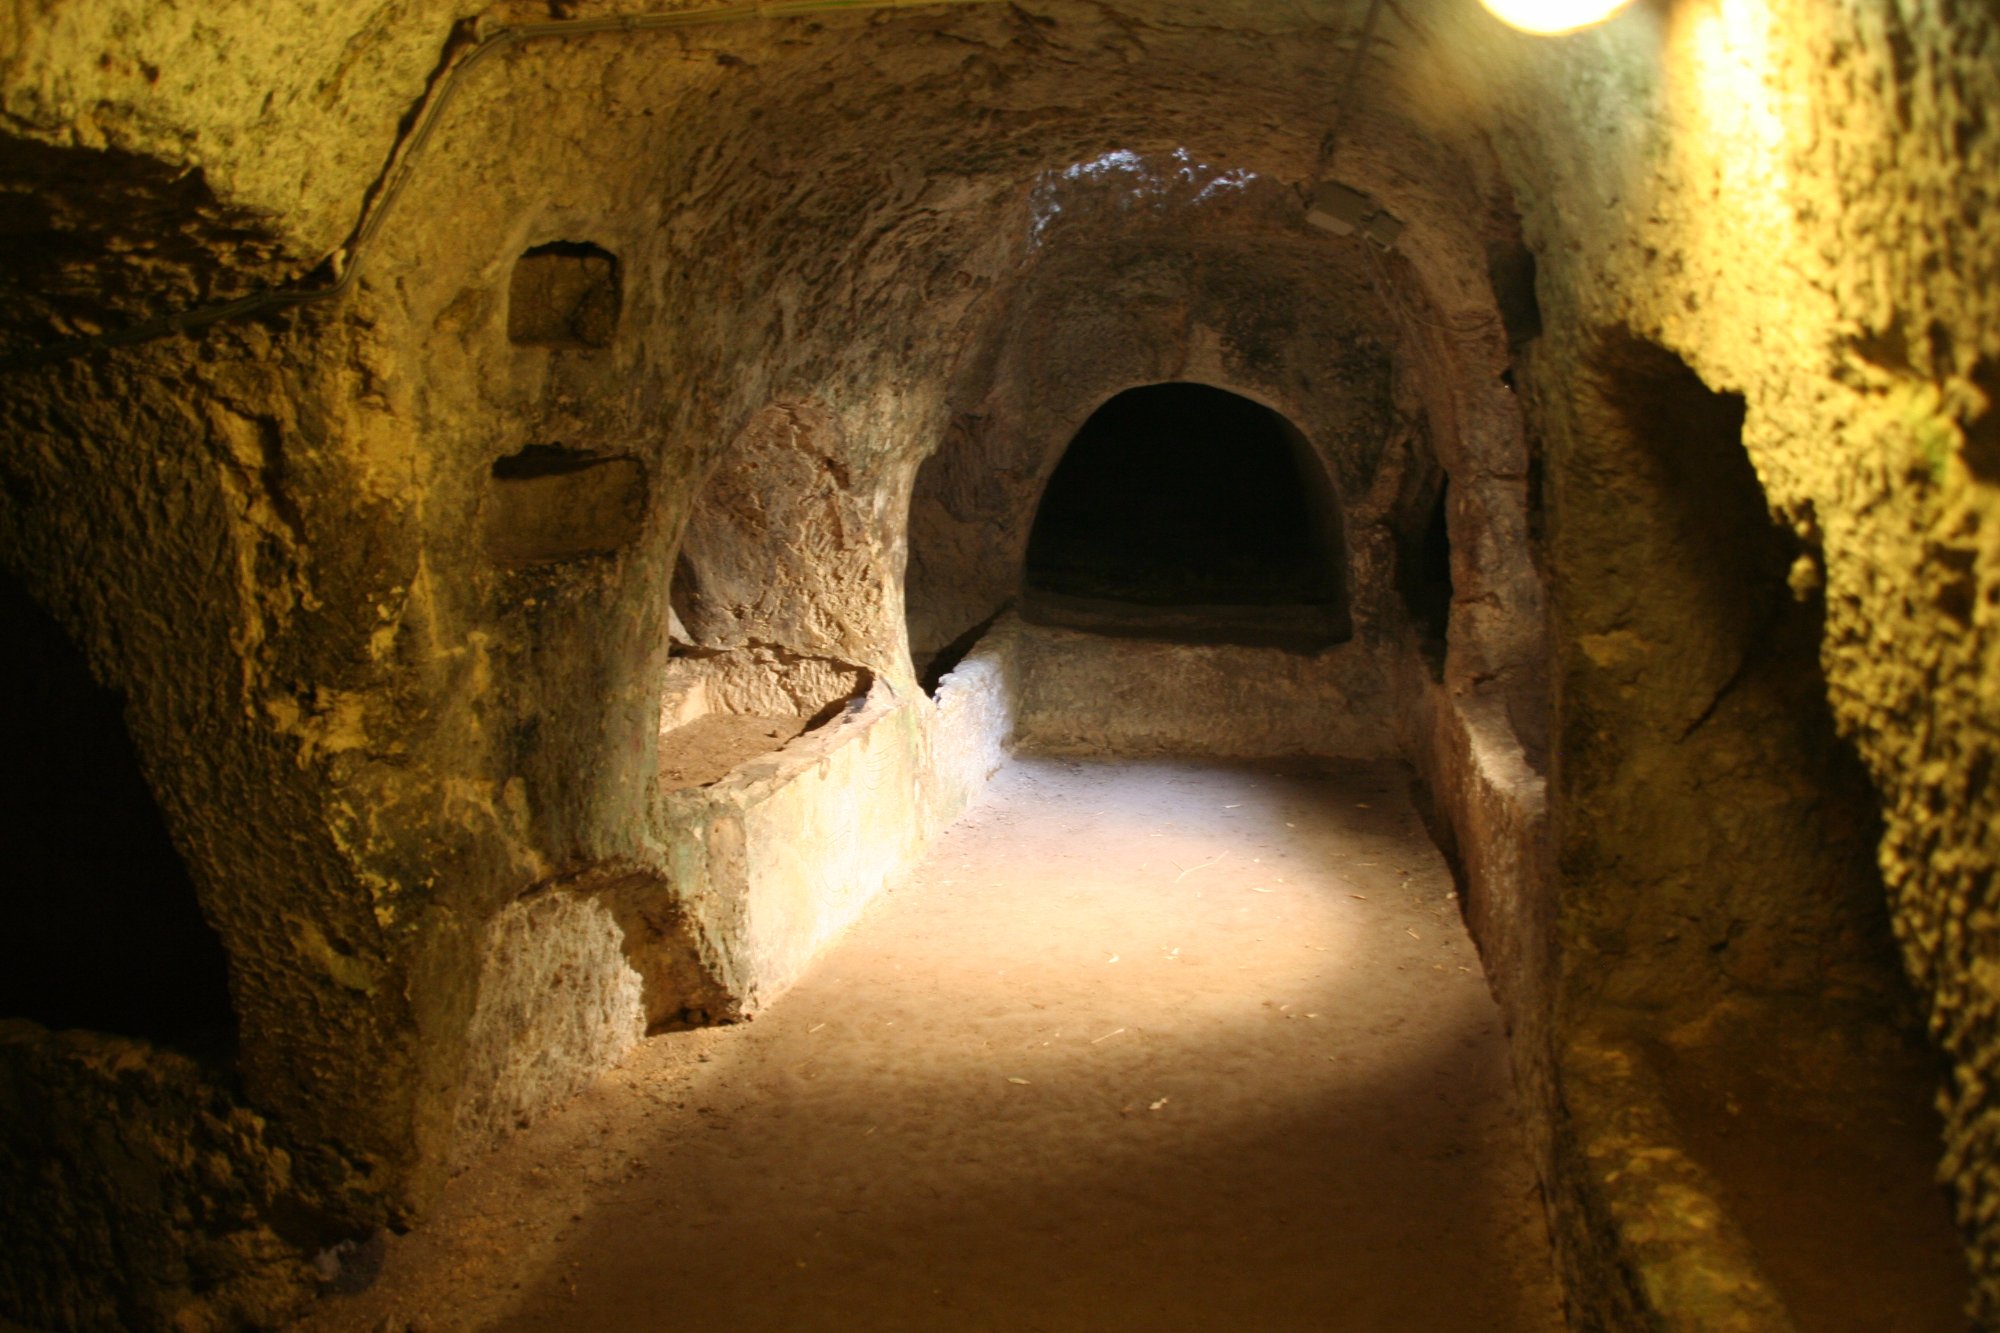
[1550, 17]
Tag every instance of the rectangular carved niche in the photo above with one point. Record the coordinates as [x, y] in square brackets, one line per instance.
[547, 504]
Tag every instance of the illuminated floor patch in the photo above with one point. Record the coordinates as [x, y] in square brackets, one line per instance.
[1161, 1046]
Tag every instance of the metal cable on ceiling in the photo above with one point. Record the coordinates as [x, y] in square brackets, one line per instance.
[1330, 144]
[470, 45]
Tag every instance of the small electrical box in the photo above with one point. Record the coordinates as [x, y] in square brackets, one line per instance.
[1344, 210]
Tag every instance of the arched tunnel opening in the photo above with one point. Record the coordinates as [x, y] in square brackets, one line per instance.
[1184, 497]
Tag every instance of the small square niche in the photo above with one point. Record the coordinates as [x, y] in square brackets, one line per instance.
[564, 294]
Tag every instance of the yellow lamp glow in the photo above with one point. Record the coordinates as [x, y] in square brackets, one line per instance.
[1550, 17]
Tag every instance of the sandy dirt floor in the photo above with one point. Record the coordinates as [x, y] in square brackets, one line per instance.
[1148, 1046]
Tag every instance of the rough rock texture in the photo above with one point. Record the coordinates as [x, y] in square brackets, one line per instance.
[124, 1159]
[775, 860]
[1790, 201]
[785, 549]
[1095, 694]
[1168, 267]
[389, 686]
[557, 1003]
[548, 505]
[756, 680]
[1660, 1237]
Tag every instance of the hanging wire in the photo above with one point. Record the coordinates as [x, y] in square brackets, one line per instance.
[1329, 144]
[469, 44]
[1379, 276]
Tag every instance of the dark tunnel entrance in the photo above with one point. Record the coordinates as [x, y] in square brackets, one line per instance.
[1189, 510]
[104, 931]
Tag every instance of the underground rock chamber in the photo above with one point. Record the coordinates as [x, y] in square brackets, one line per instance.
[404, 596]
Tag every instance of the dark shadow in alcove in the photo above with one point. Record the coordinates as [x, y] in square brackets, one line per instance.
[564, 294]
[1187, 511]
[1794, 1067]
[103, 930]
[931, 673]
[1423, 576]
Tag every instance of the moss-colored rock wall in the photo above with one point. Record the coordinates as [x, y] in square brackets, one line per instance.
[1788, 199]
